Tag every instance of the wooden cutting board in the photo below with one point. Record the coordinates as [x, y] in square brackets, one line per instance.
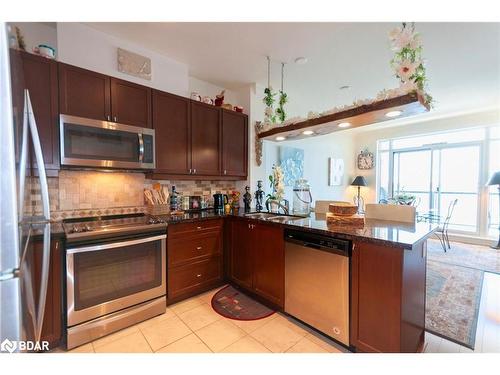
[354, 220]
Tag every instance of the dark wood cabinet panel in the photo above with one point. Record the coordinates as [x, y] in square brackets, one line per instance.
[52, 321]
[195, 277]
[269, 263]
[234, 144]
[84, 93]
[387, 298]
[241, 268]
[40, 77]
[171, 121]
[130, 103]
[205, 139]
[257, 259]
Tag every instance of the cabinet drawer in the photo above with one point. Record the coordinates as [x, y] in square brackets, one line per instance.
[182, 250]
[191, 277]
[181, 229]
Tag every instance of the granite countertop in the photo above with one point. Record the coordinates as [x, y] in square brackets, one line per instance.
[387, 233]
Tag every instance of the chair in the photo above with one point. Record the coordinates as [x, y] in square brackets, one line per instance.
[322, 207]
[442, 232]
[391, 212]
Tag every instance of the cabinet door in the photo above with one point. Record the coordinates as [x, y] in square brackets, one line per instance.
[205, 139]
[376, 298]
[40, 77]
[268, 249]
[171, 117]
[84, 93]
[241, 269]
[52, 320]
[234, 144]
[130, 103]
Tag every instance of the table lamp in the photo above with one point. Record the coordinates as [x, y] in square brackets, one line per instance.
[359, 181]
[495, 180]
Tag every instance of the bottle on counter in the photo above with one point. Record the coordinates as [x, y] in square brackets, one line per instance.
[174, 206]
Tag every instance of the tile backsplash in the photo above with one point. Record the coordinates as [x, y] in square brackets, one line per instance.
[93, 193]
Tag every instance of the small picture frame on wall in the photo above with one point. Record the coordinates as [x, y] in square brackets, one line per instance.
[335, 172]
[134, 64]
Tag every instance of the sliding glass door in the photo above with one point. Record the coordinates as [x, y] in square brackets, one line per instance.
[437, 175]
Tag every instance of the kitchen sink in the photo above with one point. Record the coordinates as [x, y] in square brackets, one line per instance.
[260, 215]
[283, 218]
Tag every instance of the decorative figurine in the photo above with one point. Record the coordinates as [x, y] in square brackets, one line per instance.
[259, 196]
[247, 198]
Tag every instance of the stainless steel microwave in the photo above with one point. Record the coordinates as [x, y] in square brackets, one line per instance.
[104, 144]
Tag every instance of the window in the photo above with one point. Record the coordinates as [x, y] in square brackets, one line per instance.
[441, 167]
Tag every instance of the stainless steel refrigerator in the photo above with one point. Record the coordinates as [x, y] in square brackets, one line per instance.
[22, 294]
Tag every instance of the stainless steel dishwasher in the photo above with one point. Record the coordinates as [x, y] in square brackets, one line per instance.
[317, 282]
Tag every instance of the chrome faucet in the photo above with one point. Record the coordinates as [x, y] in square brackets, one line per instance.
[285, 206]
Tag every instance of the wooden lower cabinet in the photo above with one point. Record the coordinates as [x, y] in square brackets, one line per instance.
[195, 259]
[387, 298]
[257, 259]
[52, 321]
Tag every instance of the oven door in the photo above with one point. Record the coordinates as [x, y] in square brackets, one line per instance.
[105, 278]
[93, 143]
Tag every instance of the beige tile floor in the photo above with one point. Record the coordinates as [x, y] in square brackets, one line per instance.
[191, 326]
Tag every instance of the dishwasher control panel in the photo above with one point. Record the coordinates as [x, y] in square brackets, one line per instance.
[319, 242]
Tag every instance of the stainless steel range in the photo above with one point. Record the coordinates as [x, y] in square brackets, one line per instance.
[115, 274]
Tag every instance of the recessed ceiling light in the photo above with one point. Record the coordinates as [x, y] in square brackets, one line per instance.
[344, 124]
[393, 113]
[308, 132]
[301, 60]
[280, 138]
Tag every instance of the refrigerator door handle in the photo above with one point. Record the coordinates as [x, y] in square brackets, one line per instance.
[37, 147]
[22, 163]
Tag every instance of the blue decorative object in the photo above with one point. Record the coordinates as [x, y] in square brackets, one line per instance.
[292, 164]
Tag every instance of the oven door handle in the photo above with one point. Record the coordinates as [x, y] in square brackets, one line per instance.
[113, 245]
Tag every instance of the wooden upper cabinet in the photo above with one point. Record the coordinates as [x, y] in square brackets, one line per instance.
[171, 118]
[84, 93]
[234, 144]
[40, 78]
[269, 262]
[205, 139]
[130, 103]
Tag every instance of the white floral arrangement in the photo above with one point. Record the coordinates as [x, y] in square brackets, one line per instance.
[277, 184]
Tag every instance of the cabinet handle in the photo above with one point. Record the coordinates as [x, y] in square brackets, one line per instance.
[198, 228]
[194, 171]
[108, 117]
[190, 171]
[115, 119]
[225, 172]
[199, 248]
[198, 275]
[57, 245]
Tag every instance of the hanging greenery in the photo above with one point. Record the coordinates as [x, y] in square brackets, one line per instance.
[280, 111]
[269, 94]
[407, 62]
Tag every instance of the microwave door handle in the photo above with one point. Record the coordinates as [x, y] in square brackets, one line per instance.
[141, 147]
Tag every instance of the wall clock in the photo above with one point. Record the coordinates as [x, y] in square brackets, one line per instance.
[365, 160]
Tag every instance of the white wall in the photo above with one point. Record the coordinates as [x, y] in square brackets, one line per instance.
[36, 33]
[205, 88]
[368, 138]
[88, 48]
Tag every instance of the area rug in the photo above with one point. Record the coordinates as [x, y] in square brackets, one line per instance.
[233, 304]
[480, 257]
[453, 295]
